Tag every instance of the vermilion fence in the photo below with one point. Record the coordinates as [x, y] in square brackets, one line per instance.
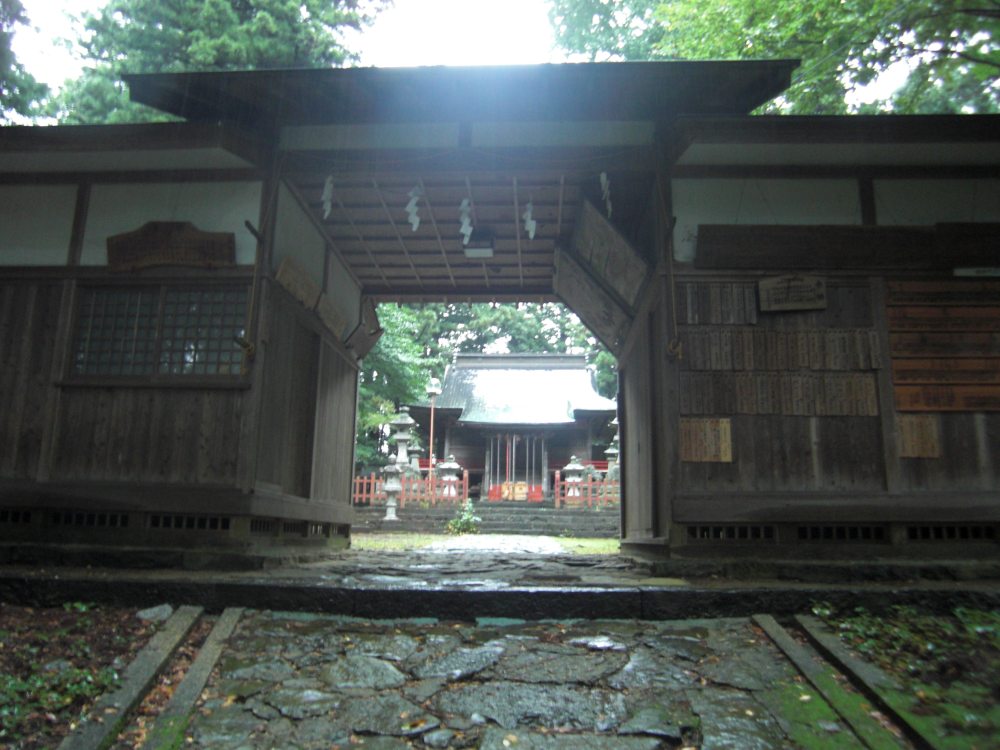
[433, 490]
[588, 492]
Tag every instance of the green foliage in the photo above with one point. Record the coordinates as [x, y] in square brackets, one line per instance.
[20, 93]
[949, 45]
[48, 692]
[465, 521]
[394, 372]
[928, 647]
[166, 36]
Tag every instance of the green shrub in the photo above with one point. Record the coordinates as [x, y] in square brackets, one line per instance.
[465, 521]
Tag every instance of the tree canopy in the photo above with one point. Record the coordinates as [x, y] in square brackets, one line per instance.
[20, 93]
[949, 47]
[145, 36]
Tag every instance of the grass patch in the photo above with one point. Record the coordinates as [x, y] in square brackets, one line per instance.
[390, 542]
[589, 546]
[404, 541]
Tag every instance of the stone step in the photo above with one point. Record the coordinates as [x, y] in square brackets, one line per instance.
[498, 518]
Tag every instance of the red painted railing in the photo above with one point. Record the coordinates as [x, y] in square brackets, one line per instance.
[368, 490]
[588, 492]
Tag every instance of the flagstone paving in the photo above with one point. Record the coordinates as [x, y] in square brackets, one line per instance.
[295, 680]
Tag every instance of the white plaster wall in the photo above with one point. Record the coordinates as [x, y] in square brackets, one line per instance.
[36, 222]
[295, 237]
[758, 201]
[347, 295]
[926, 202]
[210, 206]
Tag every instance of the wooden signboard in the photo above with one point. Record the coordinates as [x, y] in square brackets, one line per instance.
[706, 440]
[170, 243]
[298, 283]
[944, 338]
[596, 308]
[919, 435]
[331, 315]
[789, 293]
[609, 255]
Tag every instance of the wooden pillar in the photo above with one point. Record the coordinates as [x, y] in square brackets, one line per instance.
[886, 394]
[545, 466]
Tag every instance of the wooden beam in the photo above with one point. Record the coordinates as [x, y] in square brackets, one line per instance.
[839, 247]
[79, 224]
[834, 171]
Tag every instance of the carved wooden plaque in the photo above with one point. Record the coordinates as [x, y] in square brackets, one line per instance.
[170, 243]
[788, 293]
[298, 283]
[706, 440]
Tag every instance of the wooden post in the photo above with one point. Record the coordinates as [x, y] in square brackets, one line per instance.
[886, 397]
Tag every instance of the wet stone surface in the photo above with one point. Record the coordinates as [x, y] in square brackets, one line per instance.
[306, 681]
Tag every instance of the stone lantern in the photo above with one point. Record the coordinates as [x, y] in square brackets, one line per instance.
[392, 485]
[612, 453]
[402, 427]
[414, 467]
[448, 472]
[573, 475]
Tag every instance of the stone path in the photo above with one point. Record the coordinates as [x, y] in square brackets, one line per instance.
[295, 680]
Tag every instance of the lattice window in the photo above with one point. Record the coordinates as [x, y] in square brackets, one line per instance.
[199, 327]
[116, 331]
[159, 331]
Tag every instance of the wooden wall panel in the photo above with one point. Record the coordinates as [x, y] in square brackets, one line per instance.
[826, 394]
[181, 435]
[944, 338]
[29, 318]
[968, 455]
[333, 451]
[800, 388]
[288, 409]
[635, 402]
[793, 454]
[734, 303]
[749, 348]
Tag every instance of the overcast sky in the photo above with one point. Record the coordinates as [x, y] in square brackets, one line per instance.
[412, 32]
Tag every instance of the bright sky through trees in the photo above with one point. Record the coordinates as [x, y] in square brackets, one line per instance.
[412, 32]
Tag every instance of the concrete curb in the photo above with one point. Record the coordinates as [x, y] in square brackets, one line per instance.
[529, 603]
[112, 709]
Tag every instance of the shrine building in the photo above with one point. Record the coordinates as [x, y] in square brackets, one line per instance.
[805, 311]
